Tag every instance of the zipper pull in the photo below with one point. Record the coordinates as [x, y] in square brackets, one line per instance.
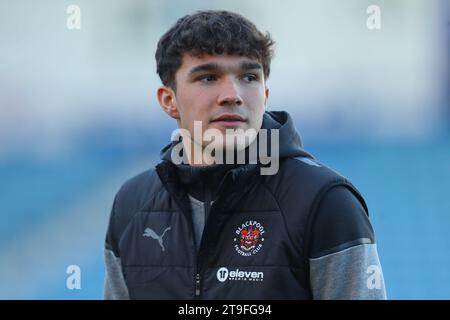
[197, 284]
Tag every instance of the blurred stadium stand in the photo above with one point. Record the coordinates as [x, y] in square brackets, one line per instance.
[78, 116]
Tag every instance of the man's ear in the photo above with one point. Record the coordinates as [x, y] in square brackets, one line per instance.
[266, 93]
[167, 101]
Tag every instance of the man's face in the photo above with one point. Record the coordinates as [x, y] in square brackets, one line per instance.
[221, 91]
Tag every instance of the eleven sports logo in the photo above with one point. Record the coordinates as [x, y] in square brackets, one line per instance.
[223, 274]
[248, 240]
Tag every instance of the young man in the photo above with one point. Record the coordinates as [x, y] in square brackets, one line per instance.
[211, 229]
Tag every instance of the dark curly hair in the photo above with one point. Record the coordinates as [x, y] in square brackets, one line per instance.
[211, 32]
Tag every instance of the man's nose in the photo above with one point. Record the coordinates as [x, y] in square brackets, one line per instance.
[229, 94]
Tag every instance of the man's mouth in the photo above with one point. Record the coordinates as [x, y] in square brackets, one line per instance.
[229, 120]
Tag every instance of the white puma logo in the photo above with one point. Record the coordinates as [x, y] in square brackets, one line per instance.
[152, 234]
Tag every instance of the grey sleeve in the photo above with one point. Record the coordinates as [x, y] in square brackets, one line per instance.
[343, 257]
[115, 286]
[352, 273]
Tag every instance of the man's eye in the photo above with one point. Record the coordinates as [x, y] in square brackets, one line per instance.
[207, 78]
[250, 77]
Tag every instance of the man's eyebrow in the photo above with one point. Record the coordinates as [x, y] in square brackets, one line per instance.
[205, 67]
[217, 67]
[250, 65]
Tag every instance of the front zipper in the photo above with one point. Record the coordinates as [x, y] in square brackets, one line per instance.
[197, 285]
[164, 175]
[207, 206]
[207, 209]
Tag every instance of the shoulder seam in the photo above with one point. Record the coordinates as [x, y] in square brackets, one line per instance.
[344, 250]
[342, 247]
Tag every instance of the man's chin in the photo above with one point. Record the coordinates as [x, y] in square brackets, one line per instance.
[232, 141]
